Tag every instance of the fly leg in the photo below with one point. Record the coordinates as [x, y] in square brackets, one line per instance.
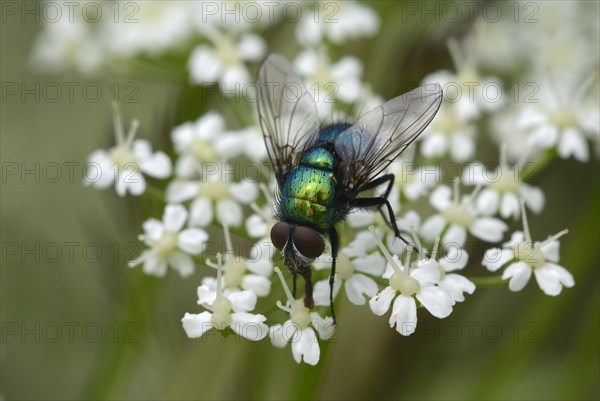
[380, 202]
[308, 287]
[334, 239]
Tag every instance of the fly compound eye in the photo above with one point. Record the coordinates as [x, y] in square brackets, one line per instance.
[308, 242]
[279, 234]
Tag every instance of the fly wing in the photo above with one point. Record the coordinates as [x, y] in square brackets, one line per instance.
[379, 136]
[287, 113]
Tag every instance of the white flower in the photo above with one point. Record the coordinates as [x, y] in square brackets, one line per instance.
[522, 256]
[413, 182]
[406, 284]
[457, 216]
[561, 124]
[124, 164]
[337, 21]
[155, 28]
[449, 134]
[224, 61]
[196, 143]
[169, 244]
[328, 82]
[353, 268]
[66, 44]
[503, 188]
[454, 257]
[469, 92]
[214, 191]
[228, 311]
[300, 329]
[240, 273]
[247, 141]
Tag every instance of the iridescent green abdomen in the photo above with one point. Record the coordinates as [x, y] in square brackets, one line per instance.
[309, 191]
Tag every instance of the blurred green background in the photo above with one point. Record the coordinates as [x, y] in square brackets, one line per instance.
[82, 325]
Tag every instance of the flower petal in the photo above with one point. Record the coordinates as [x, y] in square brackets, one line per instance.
[321, 291]
[242, 301]
[572, 143]
[306, 346]
[519, 274]
[244, 192]
[249, 325]
[488, 229]
[154, 265]
[456, 259]
[455, 285]
[229, 212]
[181, 190]
[260, 285]
[404, 315]
[201, 212]
[380, 303]
[534, 197]
[495, 258]
[183, 263]
[455, 235]
[436, 300]
[191, 240]
[487, 201]
[278, 334]
[174, 217]
[552, 277]
[432, 227]
[441, 197]
[358, 287]
[373, 264]
[509, 206]
[195, 325]
[157, 165]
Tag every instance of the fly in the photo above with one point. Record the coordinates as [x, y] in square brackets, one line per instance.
[324, 173]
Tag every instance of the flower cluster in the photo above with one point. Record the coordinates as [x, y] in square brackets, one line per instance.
[208, 191]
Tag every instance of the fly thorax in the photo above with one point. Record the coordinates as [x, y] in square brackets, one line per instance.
[404, 284]
[300, 314]
[530, 253]
[345, 266]
[234, 270]
[123, 157]
[221, 316]
[167, 244]
[508, 181]
[459, 215]
[203, 151]
[215, 190]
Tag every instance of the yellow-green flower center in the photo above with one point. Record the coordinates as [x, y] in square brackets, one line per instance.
[530, 253]
[234, 272]
[300, 314]
[204, 151]
[404, 284]
[123, 157]
[167, 244]
[215, 190]
[345, 266]
[508, 181]
[459, 215]
[221, 316]
[563, 118]
[227, 53]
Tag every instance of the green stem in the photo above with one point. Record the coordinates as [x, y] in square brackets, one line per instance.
[487, 282]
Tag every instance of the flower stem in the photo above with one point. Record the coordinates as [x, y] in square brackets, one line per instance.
[487, 282]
